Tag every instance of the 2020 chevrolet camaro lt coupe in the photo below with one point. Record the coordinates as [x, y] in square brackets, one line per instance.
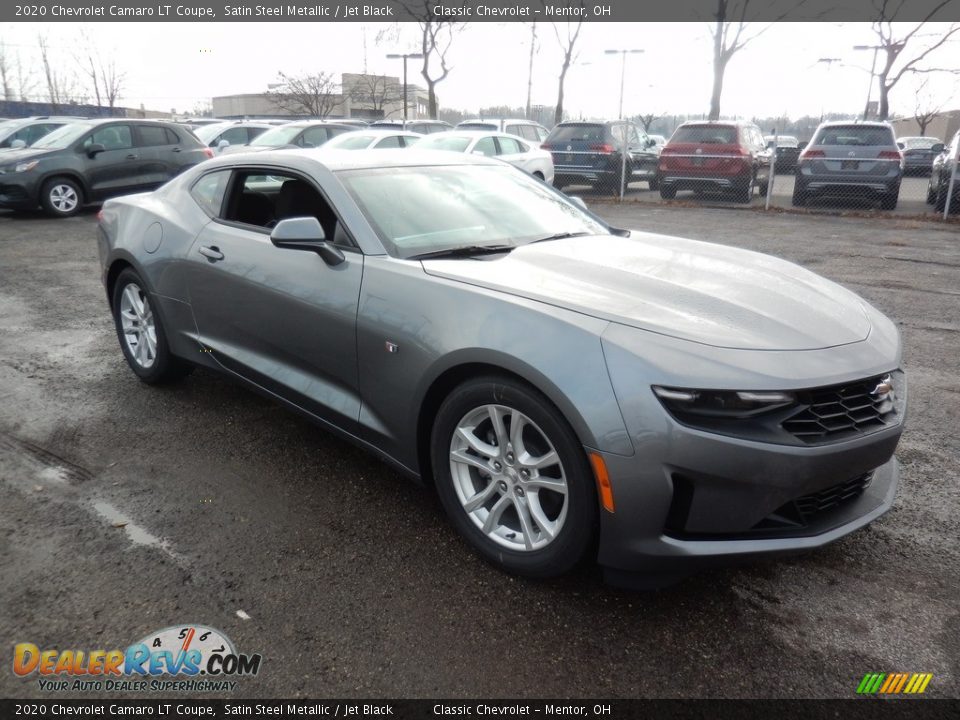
[573, 391]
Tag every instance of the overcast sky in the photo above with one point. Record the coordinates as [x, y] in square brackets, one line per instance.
[178, 65]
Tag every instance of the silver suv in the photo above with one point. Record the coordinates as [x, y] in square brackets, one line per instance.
[845, 159]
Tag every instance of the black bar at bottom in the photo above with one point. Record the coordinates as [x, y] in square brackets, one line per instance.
[865, 708]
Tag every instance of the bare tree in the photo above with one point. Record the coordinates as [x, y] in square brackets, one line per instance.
[436, 38]
[102, 74]
[567, 40]
[6, 73]
[375, 92]
[926, 107]
[891, 47]
[315, 95]
[61, 86]
[729, 38]
[647, 119]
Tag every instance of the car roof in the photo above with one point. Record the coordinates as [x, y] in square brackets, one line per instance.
[717, 123]
[858, 123]
[336, 160]
[477, 134]
[497, 120]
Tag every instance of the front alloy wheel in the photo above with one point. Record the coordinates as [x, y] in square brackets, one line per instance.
[513, 477]
[138, 326]
[508, 478]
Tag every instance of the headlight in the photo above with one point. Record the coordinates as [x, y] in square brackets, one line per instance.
[24, 166]
[721, 403]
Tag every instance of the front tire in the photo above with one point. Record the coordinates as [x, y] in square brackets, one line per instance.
[61, 197]
[141, 333]
[513, 477]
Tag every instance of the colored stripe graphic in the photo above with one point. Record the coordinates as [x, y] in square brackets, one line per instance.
[894, 683]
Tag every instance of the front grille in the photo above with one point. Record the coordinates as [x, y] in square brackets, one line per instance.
[802, 511]
[841, 411]
[809, 506]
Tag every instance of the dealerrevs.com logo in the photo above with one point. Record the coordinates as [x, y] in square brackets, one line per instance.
[185, 658]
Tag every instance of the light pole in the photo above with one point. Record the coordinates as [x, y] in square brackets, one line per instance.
[397, 56]
[873, 72]
[623, 74]
[829, 63]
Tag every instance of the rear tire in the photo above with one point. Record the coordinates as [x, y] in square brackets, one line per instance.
[141, 333]
[931, 193]
[61, 197]
[940, 203]
[654, 185]
[668, 192]
[743, 194]
[800, 195]
[538, 522]
[889, 200]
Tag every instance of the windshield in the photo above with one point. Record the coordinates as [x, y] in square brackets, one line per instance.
[571, 133]
[477, 126]
[351, 141]
[425, 209]
[859, 135]
[282, 135]
[63, 136]
[444, 141]
[919, 143]
[709, 134]
[206, 133]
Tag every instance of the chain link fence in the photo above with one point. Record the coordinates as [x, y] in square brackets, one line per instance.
[846, 172]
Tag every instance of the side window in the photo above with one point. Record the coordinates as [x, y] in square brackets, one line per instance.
[313, 137]
[486, 146]
[112, 137]
[619, 134]
[513, 129]
[542, 133]
[264, 200]
[151, 135]
[509, 146]
[529, 132]
[392, 141]
[172, 137]
[208, 191]
[235, 136]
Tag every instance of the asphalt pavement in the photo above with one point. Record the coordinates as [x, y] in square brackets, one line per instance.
[127, 508]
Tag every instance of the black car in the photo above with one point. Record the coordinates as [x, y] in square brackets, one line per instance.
[788, 150]
[945, 164]
[590, 153]
[92, 160]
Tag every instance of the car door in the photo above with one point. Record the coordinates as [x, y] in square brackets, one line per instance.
[514, 152]
[155, 145]
[280, 318]
[116, 169]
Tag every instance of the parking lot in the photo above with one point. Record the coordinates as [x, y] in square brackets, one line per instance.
[129, 508]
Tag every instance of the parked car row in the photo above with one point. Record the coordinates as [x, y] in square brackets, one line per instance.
[87, 161]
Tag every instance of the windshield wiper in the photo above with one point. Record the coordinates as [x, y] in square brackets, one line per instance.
[465, 251]
[559, 236]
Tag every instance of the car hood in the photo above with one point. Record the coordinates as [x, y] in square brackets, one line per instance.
[10, 156]
[697, 291]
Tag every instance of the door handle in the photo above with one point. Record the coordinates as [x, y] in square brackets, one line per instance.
[132, 156]
[211, 252]
[176, 149]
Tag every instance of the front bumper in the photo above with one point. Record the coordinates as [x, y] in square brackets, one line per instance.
[690, 497]
[18, 195]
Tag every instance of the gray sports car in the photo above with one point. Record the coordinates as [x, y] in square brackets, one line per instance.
[570, 389]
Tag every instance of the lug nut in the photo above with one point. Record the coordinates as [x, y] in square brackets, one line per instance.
[518, 490]
[502, 485]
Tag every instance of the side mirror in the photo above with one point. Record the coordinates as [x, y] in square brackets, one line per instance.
[937, 148]
[18, 144]
[650, 142]
[95, 150]
[578, 201]
[222, 144]
[305, 233]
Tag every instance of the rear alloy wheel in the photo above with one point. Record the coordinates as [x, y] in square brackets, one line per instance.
[141, 334]
[513, 477]
[61, 197]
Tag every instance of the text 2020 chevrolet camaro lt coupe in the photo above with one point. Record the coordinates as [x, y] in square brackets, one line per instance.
[569, 388]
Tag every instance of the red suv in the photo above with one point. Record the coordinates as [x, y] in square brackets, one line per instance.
[715, 156]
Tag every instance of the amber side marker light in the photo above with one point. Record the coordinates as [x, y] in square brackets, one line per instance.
[603, 481]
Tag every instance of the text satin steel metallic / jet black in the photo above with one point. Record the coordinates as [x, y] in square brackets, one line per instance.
[572, 390]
